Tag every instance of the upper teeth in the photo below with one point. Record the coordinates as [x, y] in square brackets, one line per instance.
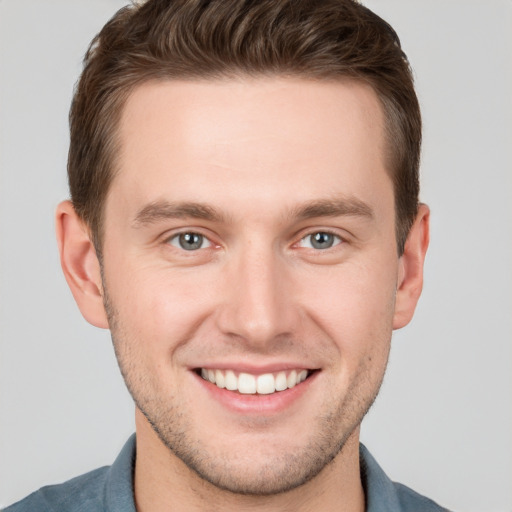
[249, 384]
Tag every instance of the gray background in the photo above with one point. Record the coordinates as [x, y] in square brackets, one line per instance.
[443, 422]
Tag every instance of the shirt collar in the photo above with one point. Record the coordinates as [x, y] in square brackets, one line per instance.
[119, 496]
[380, 492]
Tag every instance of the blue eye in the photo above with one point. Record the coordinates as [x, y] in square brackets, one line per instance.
[320, 240]
[190, 241]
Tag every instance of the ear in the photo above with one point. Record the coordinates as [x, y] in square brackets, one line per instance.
[410, 271]
[80, 264]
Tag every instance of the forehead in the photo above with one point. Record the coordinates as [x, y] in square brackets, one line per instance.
[242, 138]
[253, 106]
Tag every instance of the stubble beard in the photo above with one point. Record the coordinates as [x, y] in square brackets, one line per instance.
[282, 472]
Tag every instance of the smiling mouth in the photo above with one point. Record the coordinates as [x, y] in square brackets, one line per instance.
[248, 384]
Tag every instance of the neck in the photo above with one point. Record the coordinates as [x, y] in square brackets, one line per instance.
[163, 482]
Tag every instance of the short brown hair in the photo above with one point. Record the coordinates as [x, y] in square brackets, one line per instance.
[208, 39]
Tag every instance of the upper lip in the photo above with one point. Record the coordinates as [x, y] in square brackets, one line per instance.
[255, 369]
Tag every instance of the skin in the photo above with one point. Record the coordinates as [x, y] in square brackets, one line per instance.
[261, 165]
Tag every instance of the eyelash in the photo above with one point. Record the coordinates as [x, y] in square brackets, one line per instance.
[176, 237]
[337, 240]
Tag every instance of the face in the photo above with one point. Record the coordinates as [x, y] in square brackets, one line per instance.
[250, 271]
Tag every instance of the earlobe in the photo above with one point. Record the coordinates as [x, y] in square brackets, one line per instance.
[80, 264]
[410, 272]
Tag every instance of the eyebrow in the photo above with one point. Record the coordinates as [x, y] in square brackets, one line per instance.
[162, 210]
[350, 206]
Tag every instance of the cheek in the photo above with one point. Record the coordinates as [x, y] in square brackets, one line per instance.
[354, 304]
[159, 308]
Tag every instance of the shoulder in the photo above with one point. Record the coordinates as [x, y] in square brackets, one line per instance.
[411, 501]
[81, 494]
[109, 488]
[382, 494]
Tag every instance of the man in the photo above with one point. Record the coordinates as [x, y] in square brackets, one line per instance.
[244, 218]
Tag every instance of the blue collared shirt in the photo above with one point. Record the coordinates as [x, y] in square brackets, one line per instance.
[110, 489]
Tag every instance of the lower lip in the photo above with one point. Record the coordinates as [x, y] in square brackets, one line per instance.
[257, 404]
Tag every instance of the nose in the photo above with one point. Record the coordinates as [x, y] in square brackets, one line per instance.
[257, 303]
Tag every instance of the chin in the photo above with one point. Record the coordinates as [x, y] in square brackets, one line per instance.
[274, 469]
